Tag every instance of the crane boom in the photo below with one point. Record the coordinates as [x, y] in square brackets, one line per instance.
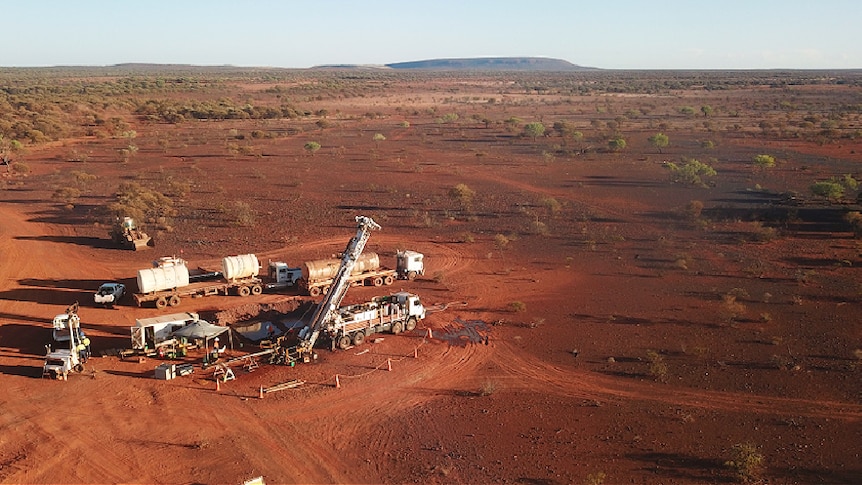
[329, 305]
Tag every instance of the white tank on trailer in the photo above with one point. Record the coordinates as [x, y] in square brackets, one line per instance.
[167, 273]
[242, 266]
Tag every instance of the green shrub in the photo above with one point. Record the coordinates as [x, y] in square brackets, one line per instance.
[517, 306]
[745, 462]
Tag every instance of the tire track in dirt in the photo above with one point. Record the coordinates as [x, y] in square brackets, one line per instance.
[537, 376]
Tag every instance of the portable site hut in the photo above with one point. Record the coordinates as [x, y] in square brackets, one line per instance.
[148, 333]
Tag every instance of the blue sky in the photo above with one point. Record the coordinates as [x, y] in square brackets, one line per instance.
[657, 34]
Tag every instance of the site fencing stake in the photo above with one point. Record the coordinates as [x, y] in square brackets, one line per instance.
[389, 364]
[337, 382]
[261, 392]
[416, 353]
[218, 384]
[429, 334]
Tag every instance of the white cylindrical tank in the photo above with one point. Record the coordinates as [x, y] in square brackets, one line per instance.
[166, 273]
[242, 266]
[323, 269]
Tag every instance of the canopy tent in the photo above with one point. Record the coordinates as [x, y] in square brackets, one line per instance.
[201, 329]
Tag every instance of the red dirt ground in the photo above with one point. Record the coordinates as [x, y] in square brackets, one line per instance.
[563, 392]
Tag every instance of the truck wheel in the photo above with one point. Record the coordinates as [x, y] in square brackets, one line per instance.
[388, 280]
[411, 324]
[256, 290]
[243, 291]
[411, 275]
[161, 303]
[79, 368]
[344, 342]
[174, 301]
[325, 289]
[397, 327]
[358, 338]
[314, 291]
[378, 281]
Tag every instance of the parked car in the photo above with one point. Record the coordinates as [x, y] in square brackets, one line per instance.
[109, 293]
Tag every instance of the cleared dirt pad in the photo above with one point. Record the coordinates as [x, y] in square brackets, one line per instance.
[599, 323]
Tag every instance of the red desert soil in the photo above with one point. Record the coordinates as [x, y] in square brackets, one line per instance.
[604, 334]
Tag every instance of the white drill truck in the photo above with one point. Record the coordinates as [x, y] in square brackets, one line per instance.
[67, 331]
[393, 313]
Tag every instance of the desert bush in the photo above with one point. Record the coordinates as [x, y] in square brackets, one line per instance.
[552, 204]
[462, 194]
[617, 144]
[659, 140]
[745, 462]
[597, 478]
[829, 189]
[855, 220]
[691, 172]
[312, 147]
[140, 203]
[241, 214]
[764, 161]
[83, 178]
[733, 309]
[517, 306]
[694, 209]
[19, 168]
[657, 366]
[488, 387]
[707, 144]
[67, 195]
[466, 237]
[534, 130]
[761, 233]
[501, 241]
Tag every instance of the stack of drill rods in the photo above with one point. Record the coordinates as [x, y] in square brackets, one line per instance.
[284, 385]
[248, 356]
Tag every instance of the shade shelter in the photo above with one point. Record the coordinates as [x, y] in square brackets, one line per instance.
[203, 330]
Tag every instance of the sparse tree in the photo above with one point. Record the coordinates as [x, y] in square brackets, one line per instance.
[534, 130]
[764, 161]
[692, 172]
[706, 110]
[659, 140]
[378, 137]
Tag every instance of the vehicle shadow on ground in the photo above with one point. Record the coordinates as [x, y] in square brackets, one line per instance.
[46, 296]
[93, 242]
[21, 370]
[28, 339]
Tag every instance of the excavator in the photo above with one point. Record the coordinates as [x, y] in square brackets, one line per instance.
[327, 310]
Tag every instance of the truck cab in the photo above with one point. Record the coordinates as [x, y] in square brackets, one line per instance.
[282, 275]
[410, 264]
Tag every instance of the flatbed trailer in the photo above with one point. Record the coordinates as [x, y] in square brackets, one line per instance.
[173, 297]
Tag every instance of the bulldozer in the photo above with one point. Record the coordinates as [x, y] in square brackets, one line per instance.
[127, 235]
